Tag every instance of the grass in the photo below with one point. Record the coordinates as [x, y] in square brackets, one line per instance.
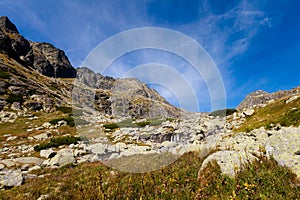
[56, 142]
[263, 179]
[277, 112]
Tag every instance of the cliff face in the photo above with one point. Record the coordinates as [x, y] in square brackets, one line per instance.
[43, 57]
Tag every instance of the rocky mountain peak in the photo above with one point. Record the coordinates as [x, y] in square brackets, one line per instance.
[260, 98]
[40, 56]
[7, 25]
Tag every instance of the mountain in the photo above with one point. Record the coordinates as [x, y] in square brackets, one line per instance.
[43, 57]
[261, 98]
[38, 76]
[58, 122]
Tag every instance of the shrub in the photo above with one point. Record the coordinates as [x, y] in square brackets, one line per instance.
[15, 98]
[223, 113]
[56, 142]
[4, 74]
[111, 126]
[69, 120]
[64, 109]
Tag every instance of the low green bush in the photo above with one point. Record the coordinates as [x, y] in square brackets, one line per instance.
[111, 126]
[223, 113]
[69, 120]
[64, 109]
[56, 142]
[15, 98]
[4, 74]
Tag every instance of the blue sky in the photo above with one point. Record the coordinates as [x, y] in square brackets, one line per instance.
[254, 44]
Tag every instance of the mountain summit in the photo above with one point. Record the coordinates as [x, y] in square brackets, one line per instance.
[43, 57]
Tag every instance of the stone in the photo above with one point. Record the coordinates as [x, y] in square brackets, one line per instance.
[16, 106]
[63, 157]
[249, 111]
[51, 61]
[11, 178]
[46, 125]
[230, 162]
[2, 166]
[291, 99]
[28, 160]
[34, 168]
[285, 142]
[47, 153]
[8, 162]
[10, 138]
[97, 148]
[42, 136]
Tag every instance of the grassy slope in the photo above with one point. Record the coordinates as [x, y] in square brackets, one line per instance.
[277, 112]
[263, 179]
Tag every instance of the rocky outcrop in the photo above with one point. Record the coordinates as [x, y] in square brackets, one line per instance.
[51, 61]
[43, 57]
[12, 43]
[260, 98]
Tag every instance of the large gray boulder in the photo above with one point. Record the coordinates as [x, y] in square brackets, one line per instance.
[11, 178]
[230, 162]
[63, 157]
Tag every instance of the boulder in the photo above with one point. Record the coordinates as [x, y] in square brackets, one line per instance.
[97, 148]
[16, 106]
[283, 145]
[249, 111]
[230, 162]
[47, 153]
[63, 157]
[11, 178]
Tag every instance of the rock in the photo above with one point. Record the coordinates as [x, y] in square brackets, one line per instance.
[2, 166]
[46, 125]
[51, 61]
[34, 105]
[6, 24]
[42, 136]
[230, 162]
[87, 77]
[16, 106]
[34, 168]
[47, 153]
[28, 160]
[10, 138]
[8, 162]
[3, 86]
[249, 111]
[3, 103]
[291, 99]
[63, 157]
[284, 143]
[11, 178]
[42, 197]
[97, 148]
